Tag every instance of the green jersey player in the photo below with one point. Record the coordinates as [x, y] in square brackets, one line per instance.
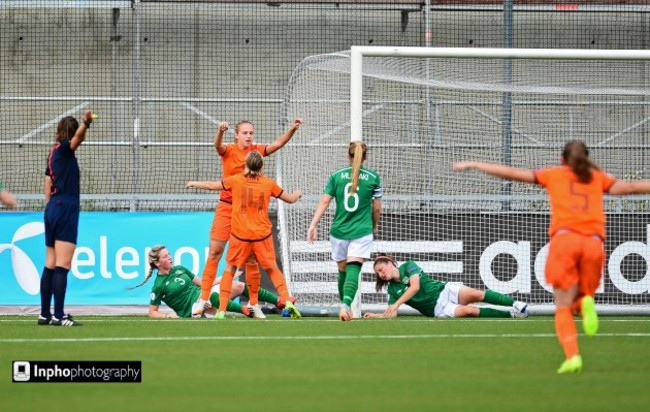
[357, 191]
[408, 284]
[179, 289]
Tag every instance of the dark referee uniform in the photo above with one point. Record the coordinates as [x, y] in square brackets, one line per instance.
[62, 211]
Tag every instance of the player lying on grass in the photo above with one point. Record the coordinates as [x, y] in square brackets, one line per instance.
[179, 288]
[408, 284]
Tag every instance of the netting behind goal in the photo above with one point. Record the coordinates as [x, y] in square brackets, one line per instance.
[422, 114]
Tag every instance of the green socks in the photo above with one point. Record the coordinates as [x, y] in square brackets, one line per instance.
[341, 283]
[263, 295]
[498, 299]
[351, 284]
[492, 313]
[266, 296]
[233, 307]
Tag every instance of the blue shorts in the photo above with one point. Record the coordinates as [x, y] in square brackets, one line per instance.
[61, 220]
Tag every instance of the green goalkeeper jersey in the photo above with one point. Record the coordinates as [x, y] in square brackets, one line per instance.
[176, 290]
[425, 300]
[353, 216]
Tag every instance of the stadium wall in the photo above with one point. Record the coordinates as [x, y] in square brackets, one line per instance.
[162, 74]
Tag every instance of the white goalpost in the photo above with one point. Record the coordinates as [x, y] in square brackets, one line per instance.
[421, 109]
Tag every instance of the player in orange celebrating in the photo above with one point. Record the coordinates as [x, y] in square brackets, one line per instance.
[232, 156]
[577, 230]
[252, 231]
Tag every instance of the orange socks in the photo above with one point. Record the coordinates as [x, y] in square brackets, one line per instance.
[576, 307]
[567, 333]
[207, 278]
[253, 280]
[225, 288]
[279, 282]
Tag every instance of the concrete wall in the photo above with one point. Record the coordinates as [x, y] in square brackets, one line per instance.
[180, 68]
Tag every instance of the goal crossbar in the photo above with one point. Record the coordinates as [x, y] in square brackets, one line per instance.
[358, 52]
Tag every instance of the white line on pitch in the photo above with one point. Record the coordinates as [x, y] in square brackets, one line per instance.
[325, 337]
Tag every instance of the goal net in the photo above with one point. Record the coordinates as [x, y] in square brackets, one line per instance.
[421, 109]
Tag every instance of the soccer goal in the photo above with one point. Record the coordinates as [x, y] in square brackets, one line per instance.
[421, 109]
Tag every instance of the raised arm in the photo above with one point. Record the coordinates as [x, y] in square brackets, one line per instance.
[7, 198]
[207, 185]
[320, 211]
[291, 197]
[218, 138]
[80, 135]
[283, 139]
[494, 169]
[621, 187]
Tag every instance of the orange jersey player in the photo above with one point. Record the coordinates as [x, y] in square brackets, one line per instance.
[576, 205]
[232, 156]
[577, 229]
[576, 255]
[252, 231]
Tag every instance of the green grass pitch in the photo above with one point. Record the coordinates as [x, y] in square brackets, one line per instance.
[321, 364]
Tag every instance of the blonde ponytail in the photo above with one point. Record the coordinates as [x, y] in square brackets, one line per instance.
[357, 152]
[154, 253]
[253, 164]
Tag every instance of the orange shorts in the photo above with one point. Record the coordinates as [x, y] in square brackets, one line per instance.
[239, 251]
[220, 229]
[573, 259]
